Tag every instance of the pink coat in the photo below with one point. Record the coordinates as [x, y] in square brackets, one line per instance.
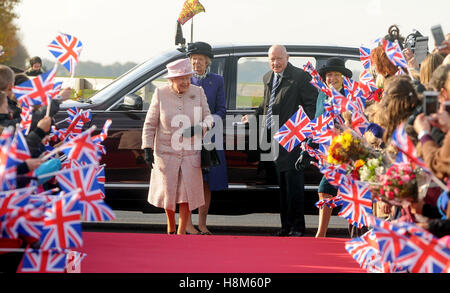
[176, 175]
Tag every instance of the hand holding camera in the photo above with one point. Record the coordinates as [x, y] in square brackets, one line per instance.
[441, 119]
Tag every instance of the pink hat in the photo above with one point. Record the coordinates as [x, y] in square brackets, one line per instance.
[179, 68]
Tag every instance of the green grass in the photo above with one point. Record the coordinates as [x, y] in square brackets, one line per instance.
[248, 102]
[84, 94]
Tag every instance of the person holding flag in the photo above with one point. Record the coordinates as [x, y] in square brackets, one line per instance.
[332, 73]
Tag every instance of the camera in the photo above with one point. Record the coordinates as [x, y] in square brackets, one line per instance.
[411, 39]
[447, 106]
[430, 102]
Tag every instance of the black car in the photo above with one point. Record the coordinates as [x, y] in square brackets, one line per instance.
[126, 101]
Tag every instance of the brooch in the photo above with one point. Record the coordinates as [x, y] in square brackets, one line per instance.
[192, 97]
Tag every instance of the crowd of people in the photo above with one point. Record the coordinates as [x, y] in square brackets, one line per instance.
[398, 99]
[177, 178]
[36, 138]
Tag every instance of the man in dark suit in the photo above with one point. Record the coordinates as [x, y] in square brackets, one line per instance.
[286, 87]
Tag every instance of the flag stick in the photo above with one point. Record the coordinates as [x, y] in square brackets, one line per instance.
[49, 107]
[49, 98]
[17, 190]
[64, 171]
[57, 150]
[192, 29]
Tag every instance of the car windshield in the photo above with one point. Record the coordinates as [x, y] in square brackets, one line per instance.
[131, 75]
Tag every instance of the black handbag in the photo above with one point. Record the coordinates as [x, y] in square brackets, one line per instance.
[209, 156]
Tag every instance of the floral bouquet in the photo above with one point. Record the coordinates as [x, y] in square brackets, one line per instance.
[400, 182]
[346, 148]
[371, 170]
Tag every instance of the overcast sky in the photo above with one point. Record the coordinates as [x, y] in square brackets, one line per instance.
[135, 30]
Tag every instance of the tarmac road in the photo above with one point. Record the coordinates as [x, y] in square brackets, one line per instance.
[252, 224]
[254, 213]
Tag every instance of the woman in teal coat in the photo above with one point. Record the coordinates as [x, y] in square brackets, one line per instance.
[332, 73]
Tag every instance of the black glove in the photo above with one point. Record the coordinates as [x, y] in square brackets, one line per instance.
[191, 131]
[148, 157]
[303, 161]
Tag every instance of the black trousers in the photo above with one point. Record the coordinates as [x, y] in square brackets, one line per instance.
[292, 202]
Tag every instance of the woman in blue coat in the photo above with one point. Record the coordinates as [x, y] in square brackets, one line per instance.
[200, 54]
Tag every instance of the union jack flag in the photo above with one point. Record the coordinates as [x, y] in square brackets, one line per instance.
[356, 203]
[67, 50]
[19, 151]
[91, 195]
[26, 221]
[341, 103]
[364, 250]
[43, 261]
[408, 228]
[62, 224]
[390, 242]
[322, 122]
[99, 138]
[56, 89]
[400, 72]
[10, 203]
[37, 90]
[359, 122]
[316, 80]
[366, 79]
[81, 148]
[333, 202]
[394, 53]
[294, 131]
[354, 93]
[364, 54]
[7, 167]
[422, 255]
[85, 115]
[26, 118]
[324, 138]
[407, 149]
[77, 118]
[308, 67]
[12, 200]
[101, 179]
[335, 174]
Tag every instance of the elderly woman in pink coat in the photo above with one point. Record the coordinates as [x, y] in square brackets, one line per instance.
[176, 121]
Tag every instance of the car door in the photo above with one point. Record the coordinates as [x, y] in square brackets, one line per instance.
[245, 167]
[124, 158]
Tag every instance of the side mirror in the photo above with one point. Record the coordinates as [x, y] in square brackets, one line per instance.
[132, 102]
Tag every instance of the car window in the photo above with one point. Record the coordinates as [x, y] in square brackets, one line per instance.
[355, 66]
[250, 72]
[146, 91]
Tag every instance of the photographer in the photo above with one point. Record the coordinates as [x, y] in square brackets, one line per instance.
[435, 157]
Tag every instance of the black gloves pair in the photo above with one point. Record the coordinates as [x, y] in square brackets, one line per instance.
[148, 157]
[191, 131]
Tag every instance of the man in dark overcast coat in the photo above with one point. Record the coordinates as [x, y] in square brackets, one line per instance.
[292, 89]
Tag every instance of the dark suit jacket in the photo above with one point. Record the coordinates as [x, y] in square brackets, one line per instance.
[295, 89]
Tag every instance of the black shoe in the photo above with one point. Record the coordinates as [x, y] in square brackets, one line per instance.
[296, 234]
[281, 233]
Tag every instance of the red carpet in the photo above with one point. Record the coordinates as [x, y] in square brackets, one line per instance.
[160, 253]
